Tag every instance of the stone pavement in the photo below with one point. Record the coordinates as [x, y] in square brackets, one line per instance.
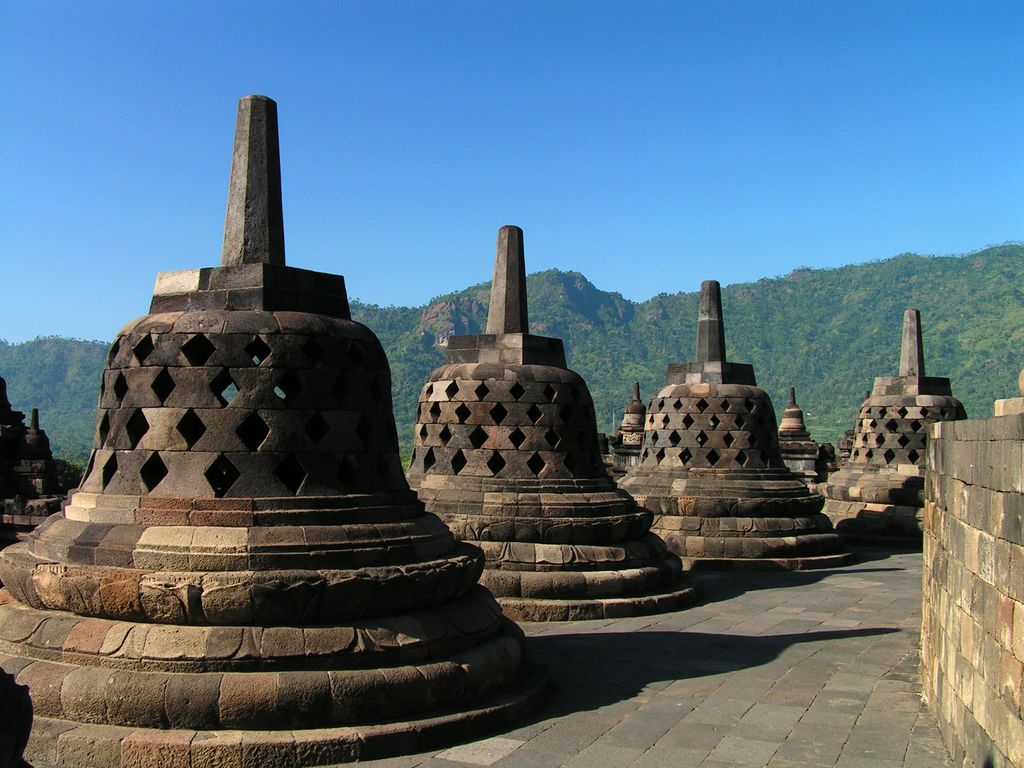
[785, 670]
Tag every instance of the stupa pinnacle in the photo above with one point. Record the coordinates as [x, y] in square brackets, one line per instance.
[710, 469]
[244, 573]
[506, 452]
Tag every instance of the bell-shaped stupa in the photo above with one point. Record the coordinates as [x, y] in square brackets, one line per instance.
[878, 495]
[244, 576]
[711, 472]
[799, 452]
[506, 453]
[625, 444]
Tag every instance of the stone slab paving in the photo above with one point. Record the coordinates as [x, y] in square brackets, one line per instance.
[779, 670]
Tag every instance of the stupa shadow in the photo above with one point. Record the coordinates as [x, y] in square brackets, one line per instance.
[593, 670]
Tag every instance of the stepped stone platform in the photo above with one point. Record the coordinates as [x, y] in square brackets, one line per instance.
[244, 576]
[506, 453]
[711, 473]
[878, 495]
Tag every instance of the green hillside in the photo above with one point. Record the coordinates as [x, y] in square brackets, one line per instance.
[826, 332]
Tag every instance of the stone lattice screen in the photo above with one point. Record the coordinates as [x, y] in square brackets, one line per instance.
[973, 602]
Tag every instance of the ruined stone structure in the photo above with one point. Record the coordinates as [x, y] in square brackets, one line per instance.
[710, 469]
[972, 618]
[799, 452]
[627, 441]
[244, 576]
[30, 490]
[878, 495]
[506, 453]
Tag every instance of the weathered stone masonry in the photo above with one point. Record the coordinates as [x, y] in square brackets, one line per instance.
[972, 631]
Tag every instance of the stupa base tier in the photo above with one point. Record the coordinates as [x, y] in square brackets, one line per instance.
[532, 609]
[56, 742]
[814, 562]
[885, 525]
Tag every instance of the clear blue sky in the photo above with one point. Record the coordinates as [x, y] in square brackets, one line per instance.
[647, 145]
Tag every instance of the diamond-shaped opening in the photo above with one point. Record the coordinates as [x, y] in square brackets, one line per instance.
[356, 354]
[879, 440]
[725, 406]
[288, 387]
[549, 392]
[162, 385]
[570, 462]
[659, 455]
[872, 423]
[423, 432]
[868, 453]
[552, 437]
[221, 475]
[892, 425]
[674, 438]
[435, 412]
[913, 456]
[654, 438]
[687, 421]
[224, 387]
[740, 421]
[741, 458]
[458, 462]
[198, 349]
[902, 412]
[142, 349]
[902, 441]
[120, 387]
[713, 457]
[924, 413]
[496, 463]
[445, 435]
[428, 391]
[153, 471]
[728, 439]
[313, 351]
[191, 428]
[253, 431]
[291, 473]
[114, 349]
[452, 389]
[701, 438]
[751, 404]
[137, 427]
[677, 405]
[661, 405]
[257, 350]
[916, 425]
[940, 414]
[715, 422]
[665, 420]
[109, 469]
[348, 471]
[498, 412]
[685, 456]
[534, 413]
[517, 437]
[889, 455]
[535, 464]
[104, 428]
[478, 436]
[462, 413]
[752, 440]
[517, 390]
[428, 459]
[481, 391]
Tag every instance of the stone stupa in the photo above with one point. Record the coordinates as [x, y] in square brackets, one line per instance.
[506, 453]
[626, 443]
[244, 576]
[710, 469]
[799, 452]
[878, 495]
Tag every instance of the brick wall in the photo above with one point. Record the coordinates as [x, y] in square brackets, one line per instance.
[972, 632]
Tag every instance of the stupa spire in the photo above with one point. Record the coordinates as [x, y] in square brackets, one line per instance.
[911, 347]
[507, 311]
[710, 327]
[34, 423]
[254, 224]
[792, 396]
[636, 391]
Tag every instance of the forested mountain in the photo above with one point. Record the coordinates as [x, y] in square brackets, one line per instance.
[827, 332]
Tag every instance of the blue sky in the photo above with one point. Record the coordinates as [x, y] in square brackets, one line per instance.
[648, 145]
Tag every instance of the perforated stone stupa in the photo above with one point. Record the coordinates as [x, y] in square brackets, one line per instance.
[878, 494]
[710, 469]
[506, 453]
[244, 576]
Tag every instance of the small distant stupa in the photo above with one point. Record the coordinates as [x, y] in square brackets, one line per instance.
[799, 452]
[626, 443]
[878, 494]
[711, 472]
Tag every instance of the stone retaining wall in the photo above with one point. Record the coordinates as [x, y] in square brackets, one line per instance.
[972, 631]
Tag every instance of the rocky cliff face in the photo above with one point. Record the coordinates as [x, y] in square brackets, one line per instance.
[463, 314]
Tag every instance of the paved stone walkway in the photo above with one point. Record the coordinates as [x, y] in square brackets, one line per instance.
[787, 670]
